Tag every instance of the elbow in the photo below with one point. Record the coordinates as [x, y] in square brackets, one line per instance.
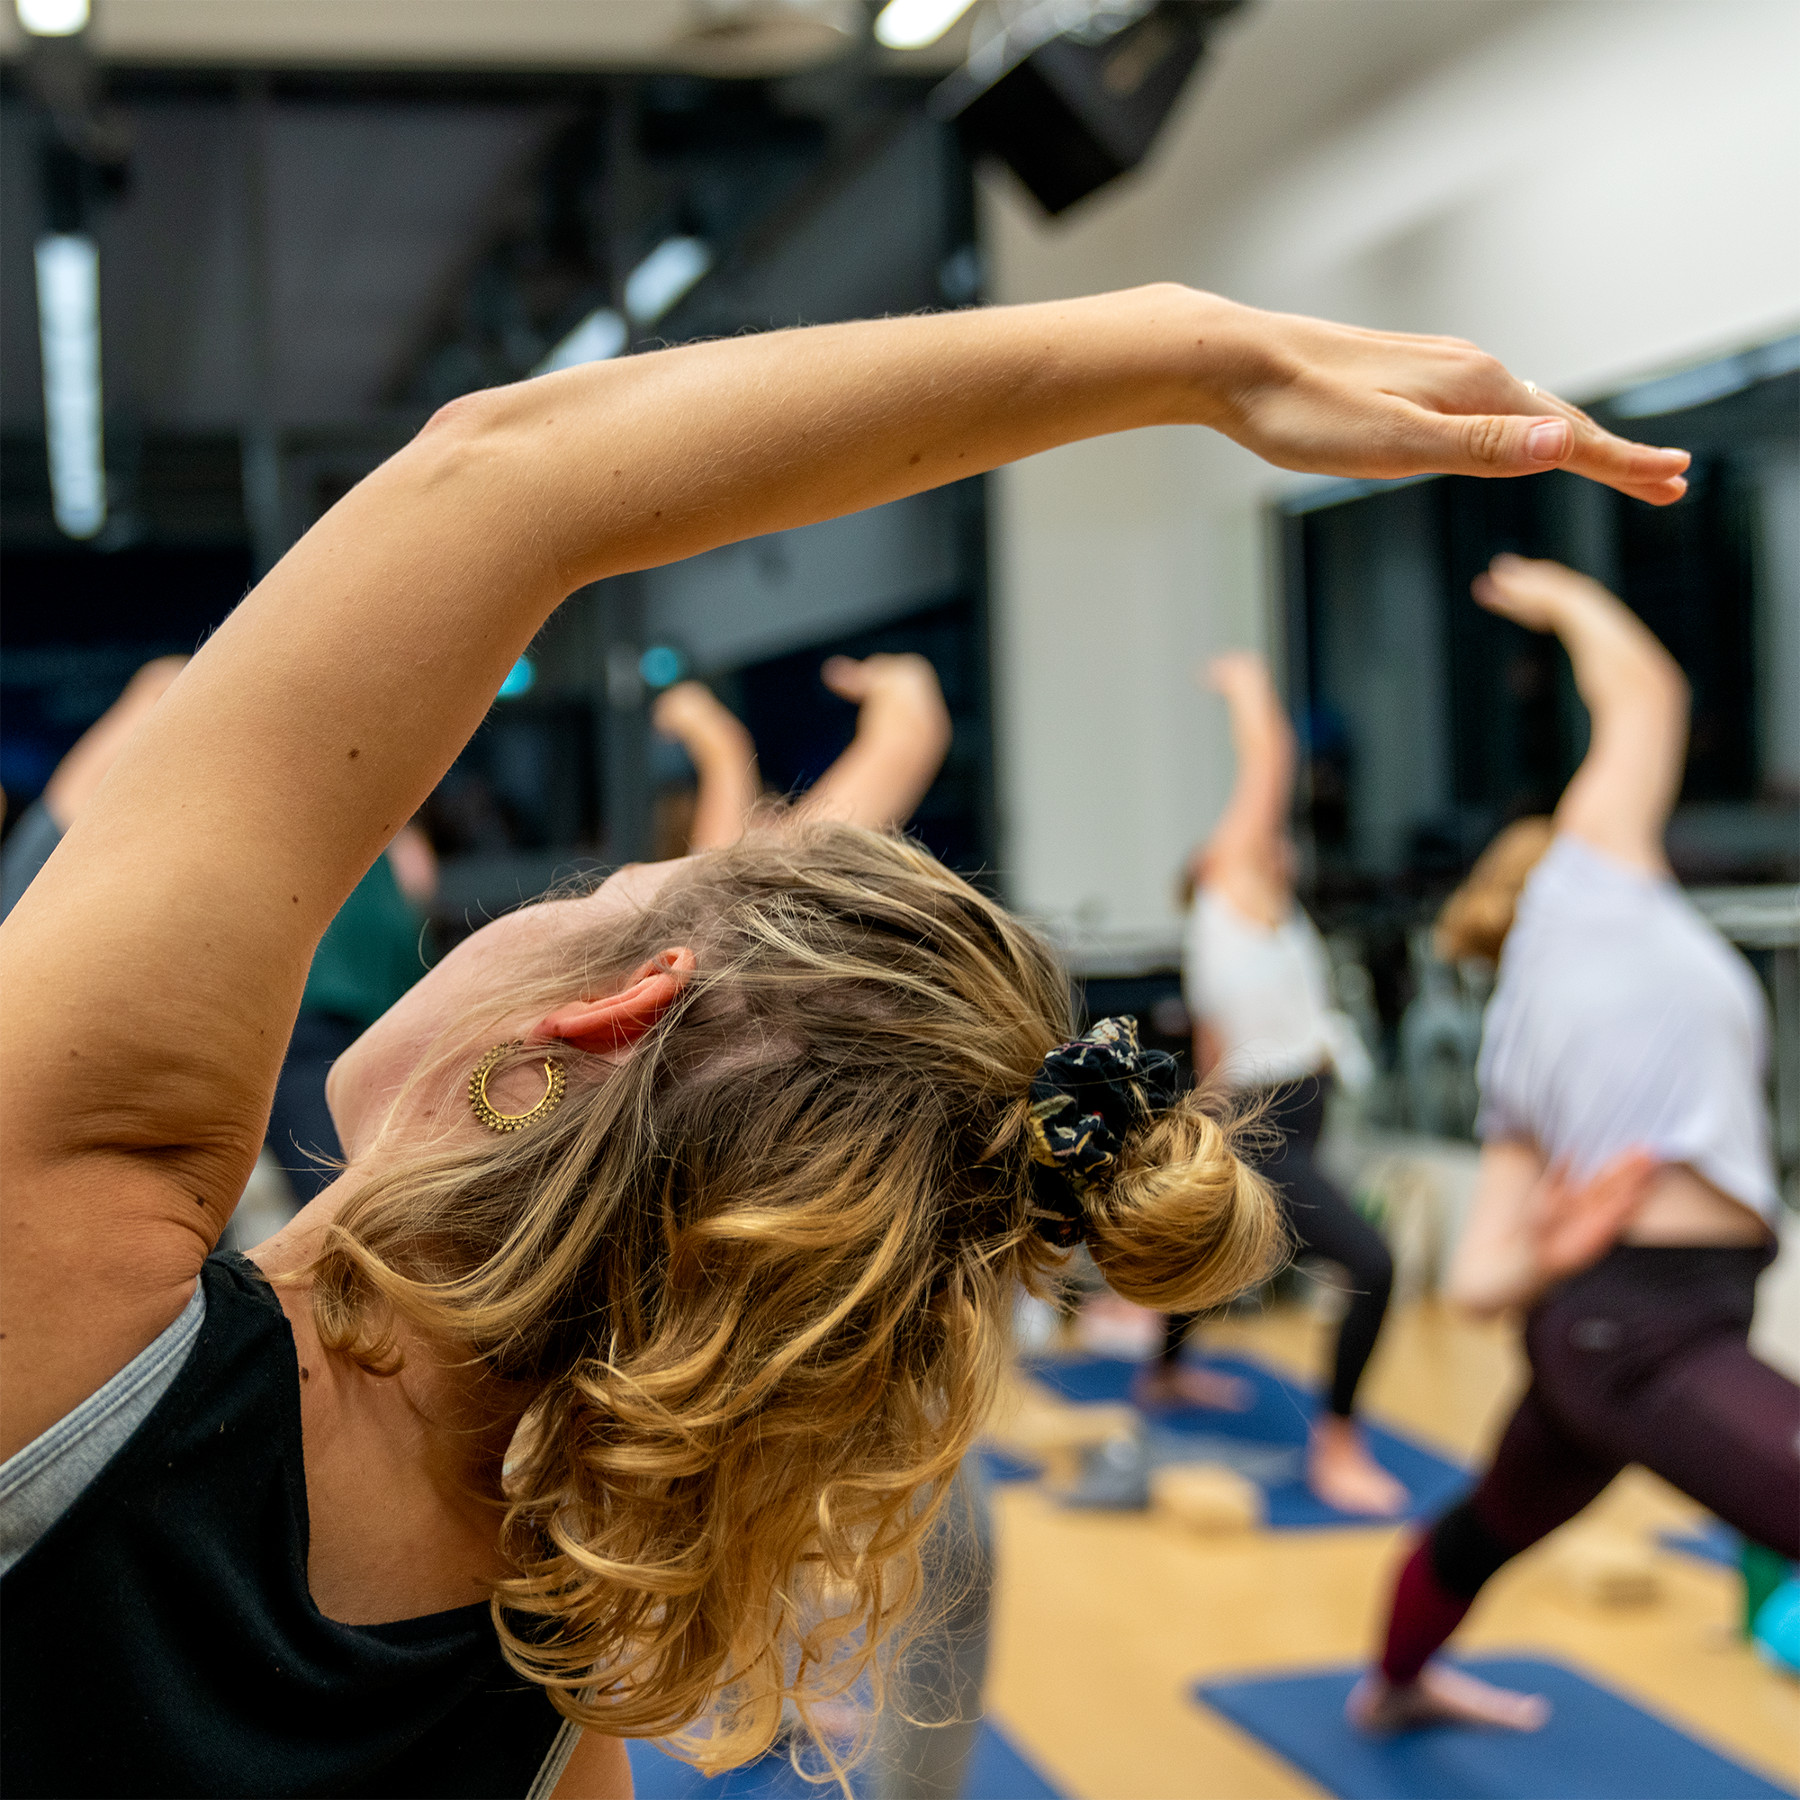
[464, 446]
[465, 420]
[1673, 693]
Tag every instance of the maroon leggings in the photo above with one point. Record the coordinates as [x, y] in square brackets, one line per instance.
[1643, 1358]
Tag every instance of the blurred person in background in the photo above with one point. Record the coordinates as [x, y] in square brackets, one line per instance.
[373, 950]
[902, 737]
[41, 826]
[1627, 1198]
[1258, 984]
[369, 956]
[932, 1706]
[614, 1386]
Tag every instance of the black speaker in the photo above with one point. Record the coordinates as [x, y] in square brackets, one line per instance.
[1070, 111]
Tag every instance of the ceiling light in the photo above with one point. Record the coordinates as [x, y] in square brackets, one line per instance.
[521, 678]
[68, 284]
[912, 24]
[666, 274]
[52, 18]
[765, 37]
[600, 335]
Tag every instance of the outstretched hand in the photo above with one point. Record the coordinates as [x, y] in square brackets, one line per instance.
[696, 718]
[1338, 400]
[1573, 1226]
[1533, 592]
[892, 683]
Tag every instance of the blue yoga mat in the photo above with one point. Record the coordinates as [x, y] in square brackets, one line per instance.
[997, 1771]
[1597, 1745]
[1279, 1419]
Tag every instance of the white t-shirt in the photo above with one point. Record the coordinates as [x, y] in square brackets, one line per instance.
[1264, 993]
[1622, 1020]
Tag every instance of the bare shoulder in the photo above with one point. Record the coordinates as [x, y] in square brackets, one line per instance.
[598, 1769]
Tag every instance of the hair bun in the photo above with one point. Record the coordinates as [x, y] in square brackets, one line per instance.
[1087, 1095]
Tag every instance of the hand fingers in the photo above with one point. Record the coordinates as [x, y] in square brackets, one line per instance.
[1640, 470]
[1606, 1204]
[846, 677]
[1489, 593]
[683, 708]
[1549, 436]
[1526, 588]
[1629, 1174]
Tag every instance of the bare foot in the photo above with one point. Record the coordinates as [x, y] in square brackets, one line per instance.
[1342, 1473]
[1187, 1384]
[1441, 1696]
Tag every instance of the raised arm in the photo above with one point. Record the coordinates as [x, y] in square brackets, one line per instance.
[1620, 798]
[1249, 845]
[149, 978]
[902, 738]
[724, 759]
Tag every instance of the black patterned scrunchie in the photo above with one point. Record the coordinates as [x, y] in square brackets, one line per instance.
[1086, 1095]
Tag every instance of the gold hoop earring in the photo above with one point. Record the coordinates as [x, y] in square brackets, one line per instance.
[554, 1083]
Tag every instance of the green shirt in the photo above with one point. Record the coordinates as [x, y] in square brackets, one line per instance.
[371, 953]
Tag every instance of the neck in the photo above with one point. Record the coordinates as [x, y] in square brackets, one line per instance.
[462, 1419]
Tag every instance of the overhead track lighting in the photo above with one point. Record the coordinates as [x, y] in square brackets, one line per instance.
[765, 37]
[913, 24]
[664, 277]
[68, 284]
[600, 335]
[52, 18]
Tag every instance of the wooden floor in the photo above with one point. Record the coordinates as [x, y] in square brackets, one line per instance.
[1103, 1621]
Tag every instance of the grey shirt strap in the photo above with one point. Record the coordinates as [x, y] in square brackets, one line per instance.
[41, 1482]
[550, 1770]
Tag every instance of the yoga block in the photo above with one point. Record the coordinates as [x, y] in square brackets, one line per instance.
[1059, 1436]
[1607, 1569]
[1210, 1500]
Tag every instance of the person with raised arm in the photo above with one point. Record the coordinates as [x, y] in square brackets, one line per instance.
[902, 737]
[1627, 1199]
[611, 1388]
[1257, 983]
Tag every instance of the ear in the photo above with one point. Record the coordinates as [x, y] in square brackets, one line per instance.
[616, 1021]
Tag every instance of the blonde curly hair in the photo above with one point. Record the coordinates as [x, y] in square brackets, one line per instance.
[759, 1277]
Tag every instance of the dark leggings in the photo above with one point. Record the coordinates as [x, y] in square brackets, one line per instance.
[1323, 1224]
[1643, 1358]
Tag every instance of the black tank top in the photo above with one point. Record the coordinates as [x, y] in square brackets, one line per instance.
[160, 1638]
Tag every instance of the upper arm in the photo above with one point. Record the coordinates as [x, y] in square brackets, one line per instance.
[1620, 798]
[1255, 820]
[150, 975]
[597, 1769]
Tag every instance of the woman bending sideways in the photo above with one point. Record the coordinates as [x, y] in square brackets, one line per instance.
[613, 1386]
[1627, 1196]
